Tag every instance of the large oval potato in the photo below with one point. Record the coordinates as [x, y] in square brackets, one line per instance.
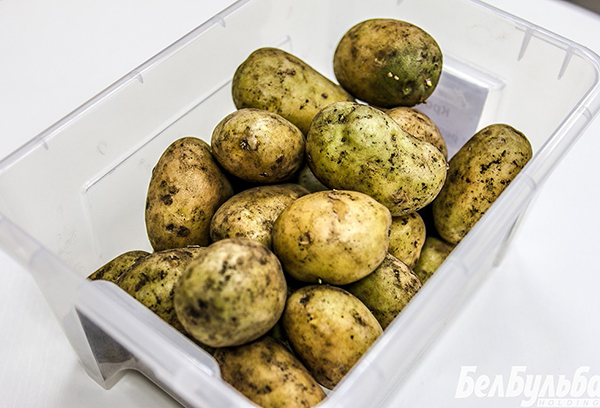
[252, 213]
[279, 82]
[358, 147]
[231, 294]
[387, 63]
[269, 375]
[116, 267]
[258, 146]
[478, 174]
[185, 190]
[407, 236]
[338, 237]
[329, 330]
[387, 290]
[420, 126]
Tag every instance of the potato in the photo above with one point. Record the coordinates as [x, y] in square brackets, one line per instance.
[357, 147]
[478, 173]
[269, 375]
[152, 279]
[115, 268]
[185, 190]
[233, 293]
[388, 63]
[338, 237]
[420, 126]
[307, 179]
[434, 252]
[329, 330]
[258, 146]
[387, 290]
[407, 236]
[252, 213]
[279, 82]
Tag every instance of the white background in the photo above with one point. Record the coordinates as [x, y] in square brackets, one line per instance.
[540, 309]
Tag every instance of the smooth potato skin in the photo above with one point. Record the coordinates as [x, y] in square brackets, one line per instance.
[152, 280]
[388, 63]
[185, 190]
[279, 82]
[358, 147]
[231, 294]
[329, 330]
[115, 268]
[387, 290]
[420, 126]
[407, 236]
[269, 375]
[252, 213]
[434, 252]
[258, 146]
[478, 173]
[338, 237]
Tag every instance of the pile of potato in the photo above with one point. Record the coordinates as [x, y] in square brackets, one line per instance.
[287, 245]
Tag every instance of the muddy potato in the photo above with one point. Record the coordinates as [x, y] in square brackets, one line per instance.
[258, 146]
[115, 268]
[185, 190]
[152, 279]
[252, 213]
[407, 236]
[387, 290]
[420, 126]
[338, 237]
[358, 147]
[269, 375]
[233, 293]
[329, 330]
[279, 82]
[434, 252]
[388, 63]
[478, 173]
[307, 179]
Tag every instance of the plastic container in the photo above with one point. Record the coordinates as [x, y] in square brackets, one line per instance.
[73, 198]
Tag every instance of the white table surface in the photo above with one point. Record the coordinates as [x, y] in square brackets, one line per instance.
[540, 309]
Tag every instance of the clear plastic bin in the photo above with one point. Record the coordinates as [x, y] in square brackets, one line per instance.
[73, 198]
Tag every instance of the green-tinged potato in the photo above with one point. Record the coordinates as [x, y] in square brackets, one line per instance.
[336, 237]
[434, 252]
[388, 63]
[387, 290]
[233, 293]
[478, 173]
[420, 126]
[269, 375]
[252, 213]
[152, 279]
[329, 330]
[185, 190]
[407, 236]
[115, 268]
[277, 81]
[358, 147]
[307, 179]
[258, 146]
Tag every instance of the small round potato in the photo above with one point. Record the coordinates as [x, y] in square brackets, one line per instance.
[329, 330]
[114, 269]
[434, 252]
[233, 293]
[420, 126]
[335, 236]
[269, 375]
[258, 146]
[252, 213]
[388, 63]
[387, 290]
[186, 188]
[407, 236]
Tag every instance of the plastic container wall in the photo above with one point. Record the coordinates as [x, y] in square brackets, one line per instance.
[73, 198]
